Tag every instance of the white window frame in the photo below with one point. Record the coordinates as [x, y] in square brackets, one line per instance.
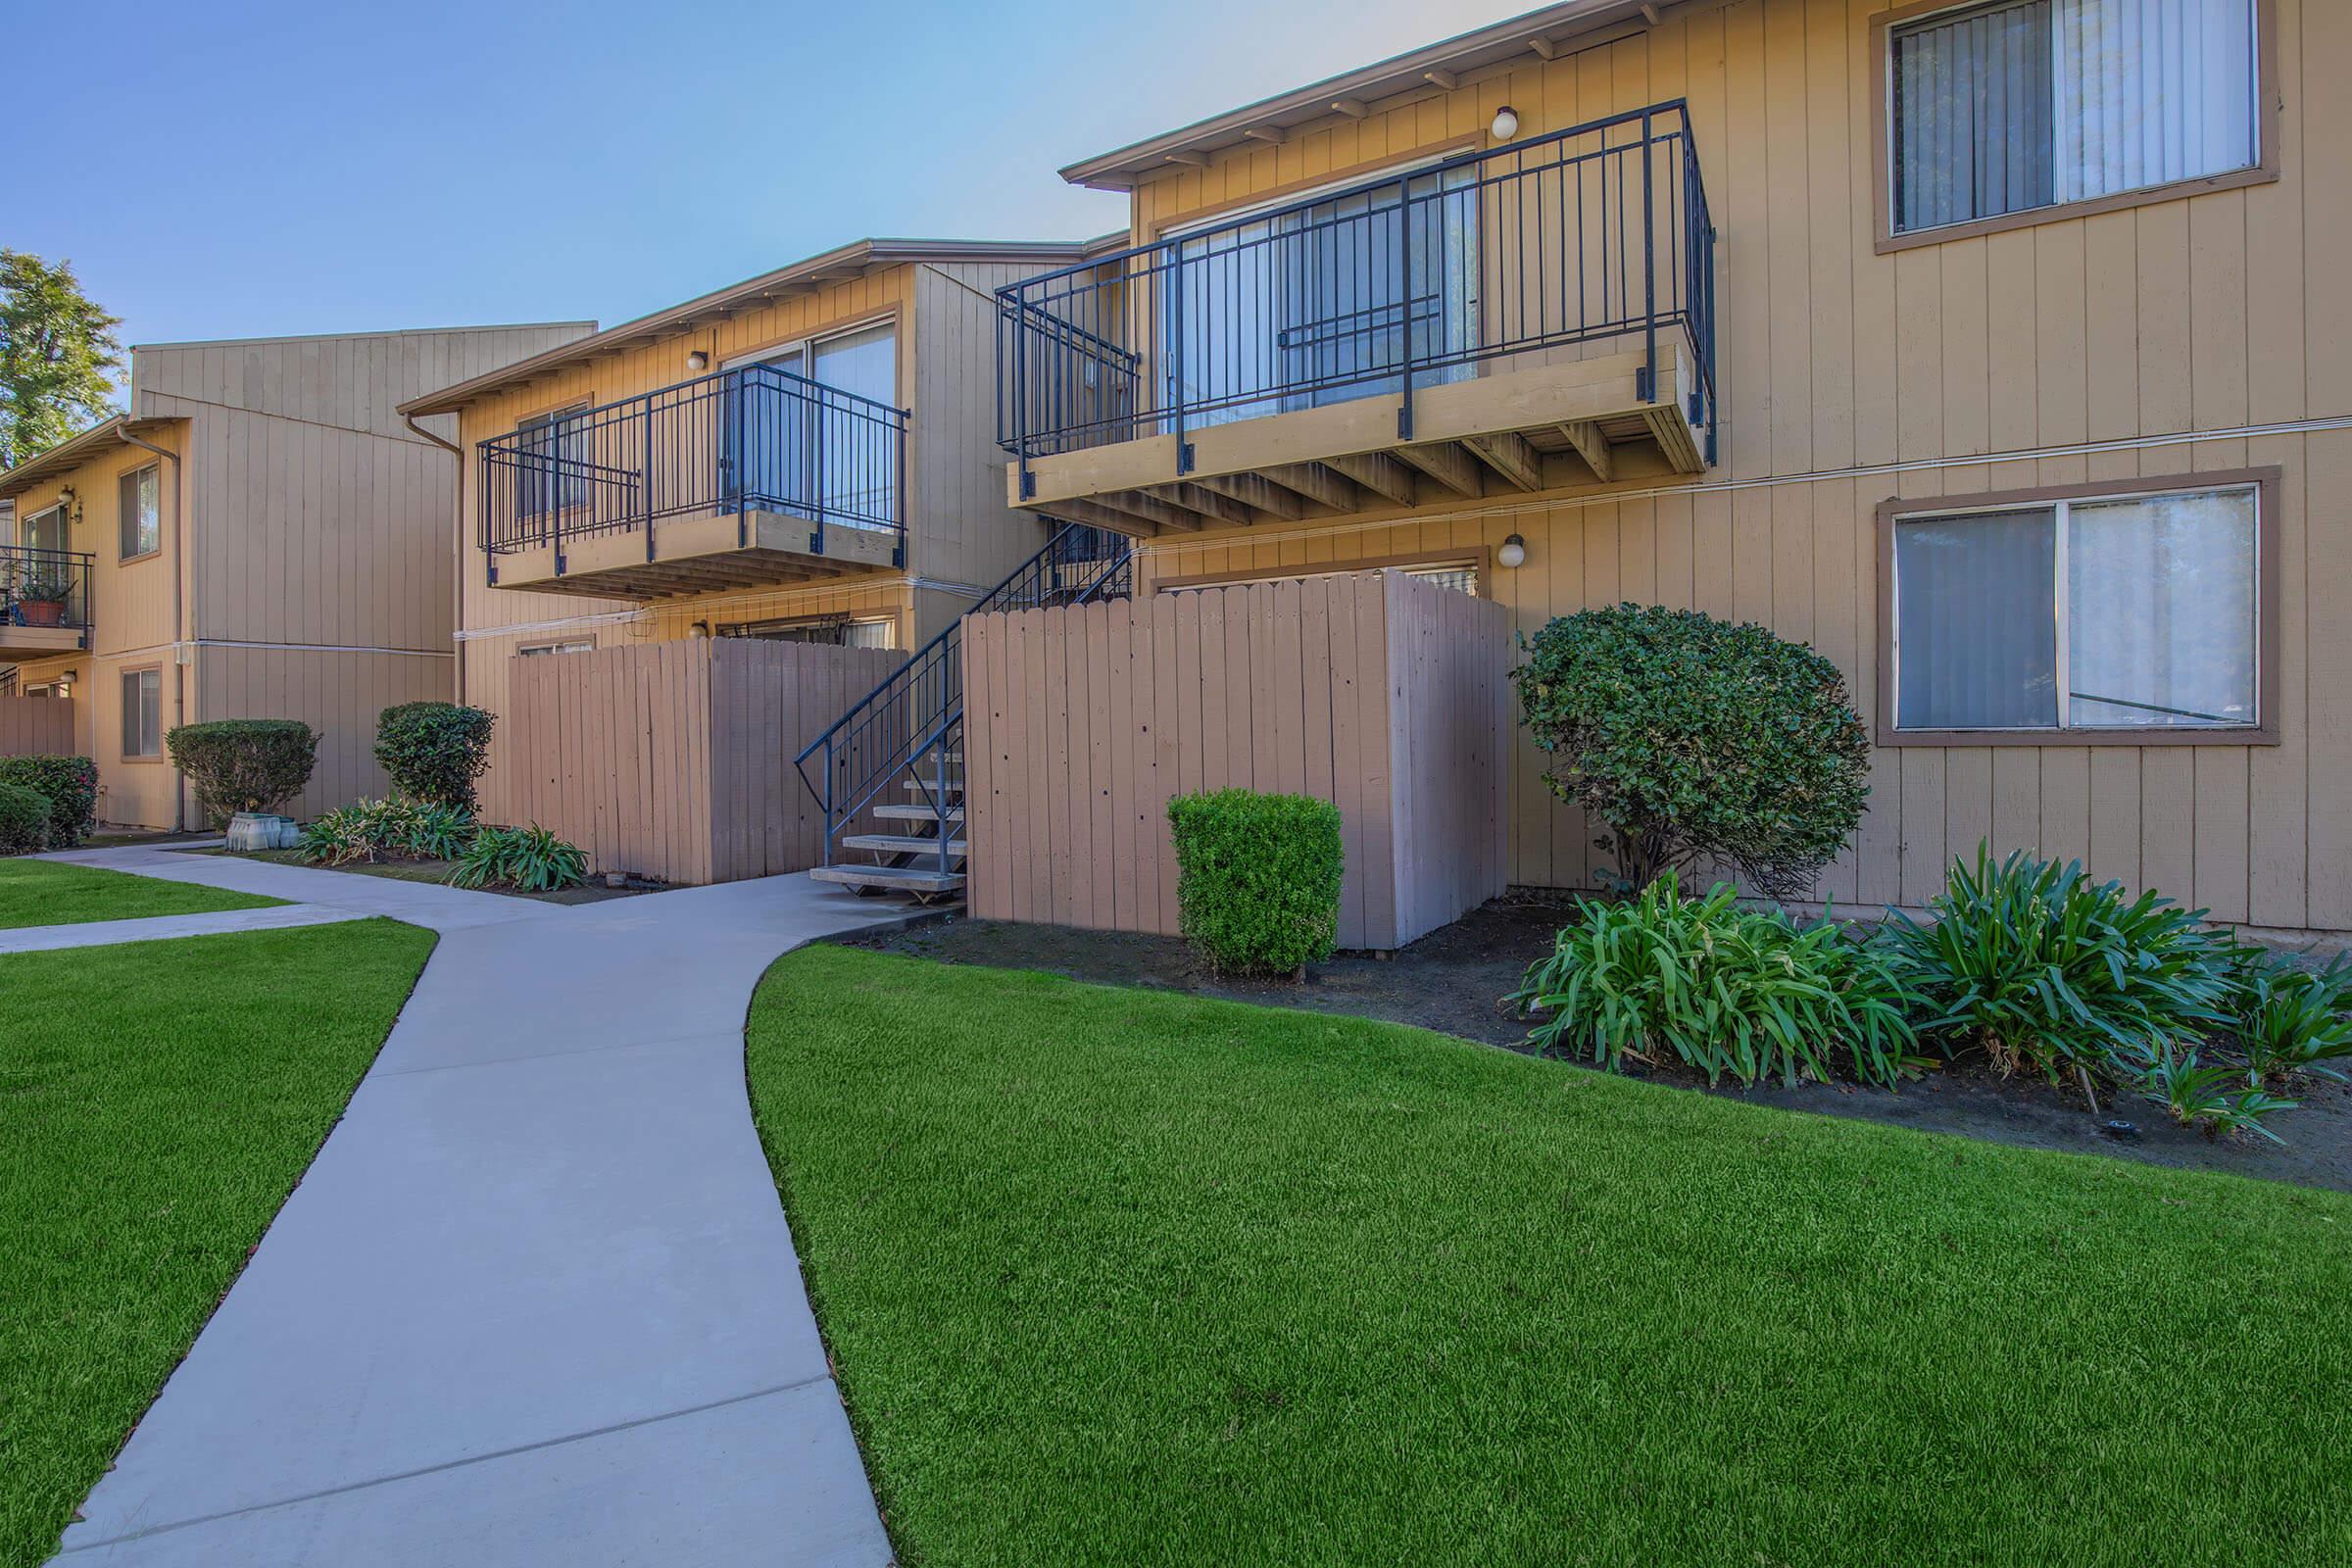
[573, 645]
[2260, 730]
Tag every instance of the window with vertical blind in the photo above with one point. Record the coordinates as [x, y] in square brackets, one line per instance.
[139, 509]
[2124, 613]
[143, 713]
[2007, 108]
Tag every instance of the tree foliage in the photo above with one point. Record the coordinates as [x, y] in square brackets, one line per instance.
[57, 352]
[1694, 741]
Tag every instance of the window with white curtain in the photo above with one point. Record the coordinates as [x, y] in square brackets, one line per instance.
[2131, 613]
[2004, 107]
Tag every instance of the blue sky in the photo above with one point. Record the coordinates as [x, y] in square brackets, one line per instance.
[254, 170]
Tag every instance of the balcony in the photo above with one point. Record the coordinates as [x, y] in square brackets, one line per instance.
[750, 478]
[44, 601]
[1535, 317]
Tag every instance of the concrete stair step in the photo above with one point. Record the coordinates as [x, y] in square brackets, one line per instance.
[900, 844]
[917, 813]
[925, 886]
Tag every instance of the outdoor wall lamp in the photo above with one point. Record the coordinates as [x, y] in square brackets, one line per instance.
[1506, 123]
[1513, 551]
[698, 360]
[700, 628]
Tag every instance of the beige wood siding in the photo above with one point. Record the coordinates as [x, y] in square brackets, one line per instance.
[1379, 693]
[340, 693]
[969, 535]
[673, 760]
[40, 726]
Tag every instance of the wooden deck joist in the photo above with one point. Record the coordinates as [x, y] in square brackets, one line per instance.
[697, 555]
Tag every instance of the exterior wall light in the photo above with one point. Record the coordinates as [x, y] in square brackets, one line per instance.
[1513, 554]
[698, 360]
[700, 628]
[1506, 124]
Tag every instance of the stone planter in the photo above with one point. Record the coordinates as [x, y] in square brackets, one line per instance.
[249, 831]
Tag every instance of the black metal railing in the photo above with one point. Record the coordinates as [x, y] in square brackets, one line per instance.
[46, 588]
[1597, 232]
[918, 709]
[753, 439]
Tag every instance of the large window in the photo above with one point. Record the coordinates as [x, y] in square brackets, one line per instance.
[143, 713]
[2002, 109]
[140, 508]
[835, 631]
[2138, 614]
[802, 447]
[553, 469]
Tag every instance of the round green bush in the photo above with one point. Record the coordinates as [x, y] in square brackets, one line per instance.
[24, 819]
[1694, 741]
[244, 765]
[72, 785]
[433, 752]
[1258, 888]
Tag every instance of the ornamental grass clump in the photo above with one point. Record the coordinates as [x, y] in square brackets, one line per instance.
[1258, 888]
[531, 859]
[372, 831]
[1728, 990]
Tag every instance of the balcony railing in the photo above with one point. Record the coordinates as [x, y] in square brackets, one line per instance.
[753, 439]
[1597, 232]
[44, 588]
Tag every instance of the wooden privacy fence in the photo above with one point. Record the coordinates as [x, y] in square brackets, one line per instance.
[38, 726]
[673, 761]
[1376, 691]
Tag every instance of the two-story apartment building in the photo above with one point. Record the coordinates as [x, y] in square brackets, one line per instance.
[1987, 347]
[805, 456]
[259, 535]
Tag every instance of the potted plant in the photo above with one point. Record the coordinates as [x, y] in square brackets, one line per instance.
[41, 599]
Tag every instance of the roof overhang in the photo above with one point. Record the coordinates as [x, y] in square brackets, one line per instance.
[1420, 73]
[801, 277]
[97, 441]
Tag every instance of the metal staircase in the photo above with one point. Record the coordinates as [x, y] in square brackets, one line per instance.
[895, 761]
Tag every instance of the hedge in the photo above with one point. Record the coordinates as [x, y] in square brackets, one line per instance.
[24, 819]
[70, 784]
[434, 751]
[244, 765]
[1257, 889]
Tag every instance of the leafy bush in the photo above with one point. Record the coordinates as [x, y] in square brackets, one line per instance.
[72, 785]
[531, 858]
[2216, 1097]
[434, 751]
[1692, 741]
[2048, 969]
[244, 765]
[387, 830]
[2287, 1018]
[24, 819]
[1722, 989]
[1257, 889]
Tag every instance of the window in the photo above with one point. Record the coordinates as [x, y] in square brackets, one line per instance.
[583, 645]
[2027, 104]
[553, 466]
[46, 530]
[837, 631]
[801, 445]
[140, 509]
[1460, 575]
[143, 713]
[2117, 613]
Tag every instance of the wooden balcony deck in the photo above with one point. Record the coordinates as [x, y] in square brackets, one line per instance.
[34, 642]
[706, 553]
[1521, 428]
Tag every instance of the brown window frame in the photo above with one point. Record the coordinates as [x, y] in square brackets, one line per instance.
[122, 678]
[125, 487]
[2268, 104]
[2268, 484]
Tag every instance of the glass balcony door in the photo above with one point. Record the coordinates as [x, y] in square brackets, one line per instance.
[802, 451]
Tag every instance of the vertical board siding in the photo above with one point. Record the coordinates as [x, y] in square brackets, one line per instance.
[40, 726]
[673, 761]
[1373, 691]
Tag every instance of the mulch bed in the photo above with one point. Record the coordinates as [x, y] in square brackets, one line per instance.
[1451, 981]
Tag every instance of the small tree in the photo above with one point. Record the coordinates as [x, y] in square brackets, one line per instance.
[56, 351]
[1692, 740]
[244, 765]
[434, 751]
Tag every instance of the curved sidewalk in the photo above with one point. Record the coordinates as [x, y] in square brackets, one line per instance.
[535, 1303]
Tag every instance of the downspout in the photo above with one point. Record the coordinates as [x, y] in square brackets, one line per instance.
[182, 590]
[456, 578]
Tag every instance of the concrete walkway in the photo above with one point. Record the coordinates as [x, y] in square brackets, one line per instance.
[162, 927]
[535, 1303]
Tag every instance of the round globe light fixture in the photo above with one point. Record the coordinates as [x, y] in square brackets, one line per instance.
[1506, 124]
[1513, 553]
[698, 360]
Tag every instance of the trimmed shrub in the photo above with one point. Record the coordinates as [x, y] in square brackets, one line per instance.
[24, 819]
[1258, 879]
[1723, 988]
[2048, 969]
[244, 765]
[72, 785]
[1695, 741]
[387, 830]
[2289, 1020]
[531, 860]
[434, 751]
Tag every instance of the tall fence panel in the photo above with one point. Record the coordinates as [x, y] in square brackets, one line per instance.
[40, 727]
[673, 760]
[1380, 693]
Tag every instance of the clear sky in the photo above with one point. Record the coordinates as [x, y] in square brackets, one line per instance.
[228, 169]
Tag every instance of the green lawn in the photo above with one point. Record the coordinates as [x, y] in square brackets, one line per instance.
[52, 893]
[156, 1103]
[1117, 1276]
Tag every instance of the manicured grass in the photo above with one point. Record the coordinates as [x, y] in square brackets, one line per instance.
[158, 1102]
[1117, 1276]
[53, 893]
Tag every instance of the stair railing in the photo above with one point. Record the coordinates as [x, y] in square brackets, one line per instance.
[919, 708]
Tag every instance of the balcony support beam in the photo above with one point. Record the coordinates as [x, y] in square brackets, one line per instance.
[1584, 435]
[1447, 462]
[1379, 473]
[1212, 507]
[1315, 481]
[1255, 492]
[1507, 452]
[1151, 509]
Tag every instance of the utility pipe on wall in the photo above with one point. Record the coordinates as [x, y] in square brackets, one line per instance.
[183, 588]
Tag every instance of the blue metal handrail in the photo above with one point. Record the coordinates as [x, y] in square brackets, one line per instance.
[755, 438]
[31, 579]
[919, 709]
[1594, 232]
